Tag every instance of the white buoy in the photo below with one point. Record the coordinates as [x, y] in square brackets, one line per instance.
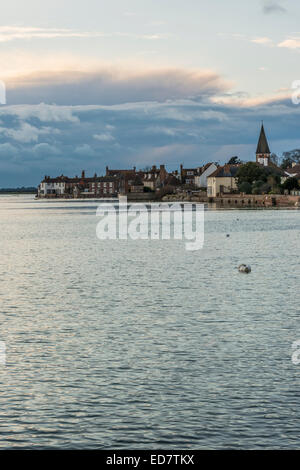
[244, 268]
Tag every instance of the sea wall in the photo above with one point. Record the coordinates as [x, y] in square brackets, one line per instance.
[250, 200]
[238, 200]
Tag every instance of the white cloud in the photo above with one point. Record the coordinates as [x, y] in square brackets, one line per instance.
[12, 33]
[104, 137]
[27, 133]
[263, 40]
[291, 43]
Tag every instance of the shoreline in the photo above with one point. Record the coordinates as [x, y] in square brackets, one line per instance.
[225, 203]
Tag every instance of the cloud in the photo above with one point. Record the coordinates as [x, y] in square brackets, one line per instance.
[272, 6]
[42, 112]
[290, 43]
[7, 150]
[12, 33]
[104, 137]
[43, 150]
[263, 41]
[113, 85]
[142, 133]
[27, 133]
[85, 150]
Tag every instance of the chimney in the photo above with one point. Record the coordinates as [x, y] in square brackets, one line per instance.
[107, 171]
[181, 172]
[134, 169]
[154, 167]
[83, 174]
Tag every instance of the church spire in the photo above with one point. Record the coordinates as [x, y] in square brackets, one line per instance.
[263, 150]
[262, 146]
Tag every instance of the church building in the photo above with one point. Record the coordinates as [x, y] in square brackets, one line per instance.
[263, 153]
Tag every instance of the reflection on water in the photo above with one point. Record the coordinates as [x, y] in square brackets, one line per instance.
[123, 344]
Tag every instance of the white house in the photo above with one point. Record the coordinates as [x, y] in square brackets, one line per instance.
[205, 172]
[54, 186]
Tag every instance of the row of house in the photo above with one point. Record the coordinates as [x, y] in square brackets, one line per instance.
[63, 186]
[211, 177]
[124, 181]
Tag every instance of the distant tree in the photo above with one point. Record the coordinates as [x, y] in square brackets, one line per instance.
[253, 173]
[275, 159]
[245, 187]
[258, 183]
[256, 190]
[290, 184]
[290, 157]
[271, 175]
[273, 180]
[234, 161]
[286, 163]
[249, 172]
[265, 188]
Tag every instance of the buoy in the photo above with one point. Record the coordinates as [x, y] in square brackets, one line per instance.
[244, 268]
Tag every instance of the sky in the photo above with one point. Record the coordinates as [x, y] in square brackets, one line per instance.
[94, 83]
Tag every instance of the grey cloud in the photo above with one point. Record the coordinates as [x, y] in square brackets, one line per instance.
[42, 112]
[85, 150]
[271, 6]
[43, 149]
[113, 86]
[145, 133]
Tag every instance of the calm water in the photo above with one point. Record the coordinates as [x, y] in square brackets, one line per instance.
[123, 344]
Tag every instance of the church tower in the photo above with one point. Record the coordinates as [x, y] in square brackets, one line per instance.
[263, 151]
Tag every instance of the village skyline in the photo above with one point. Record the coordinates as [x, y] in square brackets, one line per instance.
[142, 85]
[211, 180]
